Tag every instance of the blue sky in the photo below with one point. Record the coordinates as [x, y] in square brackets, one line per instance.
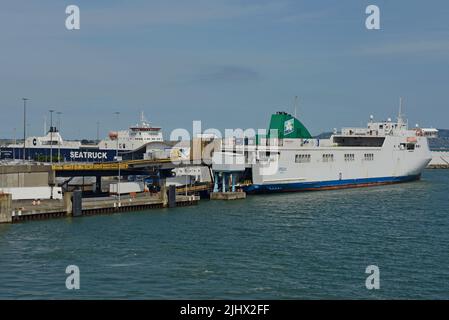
[228, 63]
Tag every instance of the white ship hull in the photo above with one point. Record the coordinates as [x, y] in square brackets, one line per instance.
[388, 164]
[289, 159]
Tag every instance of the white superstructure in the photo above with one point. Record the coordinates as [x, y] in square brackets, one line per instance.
[53, 147]
[136, 137]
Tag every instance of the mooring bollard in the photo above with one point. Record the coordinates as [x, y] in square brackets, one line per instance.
[77, 204]
[172, 196]
[68, 203]
[5, 208]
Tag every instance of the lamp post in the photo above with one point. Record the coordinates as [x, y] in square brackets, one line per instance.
[15, 143]
[118, 117]
[98, 132]
[51, 135]
[118, 158]
[186, 180]
[24, 126]
[59, 130]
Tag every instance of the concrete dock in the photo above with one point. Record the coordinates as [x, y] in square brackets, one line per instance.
[17, 211]
[440, 160]
[22, 175]
[227, 195]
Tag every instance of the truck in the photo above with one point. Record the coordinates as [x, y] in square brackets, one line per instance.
[126, 187]
[34, 193]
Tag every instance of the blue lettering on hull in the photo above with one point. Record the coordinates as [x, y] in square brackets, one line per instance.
[65, 155]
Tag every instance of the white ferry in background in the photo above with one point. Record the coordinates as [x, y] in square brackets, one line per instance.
[127, 142]
[290, 159]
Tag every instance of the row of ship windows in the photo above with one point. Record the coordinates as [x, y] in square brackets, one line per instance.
[329, 157]
[140, 139]
[123, 146]
[408, 146]
[120, 146]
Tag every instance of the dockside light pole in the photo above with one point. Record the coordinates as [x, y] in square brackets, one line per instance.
[98, 132]
[186, 179]
[15, 143]
[24, 126]
[51, 135]
[118, 119]
[59, 130]
[118, 158]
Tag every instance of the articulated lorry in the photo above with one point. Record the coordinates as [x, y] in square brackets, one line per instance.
[34, 193]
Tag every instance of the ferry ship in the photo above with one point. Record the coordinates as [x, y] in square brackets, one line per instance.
[53, 147]
[290, 159]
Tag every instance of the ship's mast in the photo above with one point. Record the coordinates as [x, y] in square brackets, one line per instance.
[400, 119]
[143, 121]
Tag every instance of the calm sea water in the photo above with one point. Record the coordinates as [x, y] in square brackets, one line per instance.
[291, 246]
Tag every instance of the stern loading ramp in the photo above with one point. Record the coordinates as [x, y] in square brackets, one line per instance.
[161, 168]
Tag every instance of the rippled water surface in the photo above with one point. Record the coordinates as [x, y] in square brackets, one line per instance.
[291, 246]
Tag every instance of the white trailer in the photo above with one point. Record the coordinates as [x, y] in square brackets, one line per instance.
[34, 193]
[126, 187]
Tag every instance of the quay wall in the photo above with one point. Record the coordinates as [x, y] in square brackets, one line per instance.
[25, 210]
[18, 176]
[440, 160]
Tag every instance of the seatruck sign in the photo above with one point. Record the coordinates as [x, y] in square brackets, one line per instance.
[97, 155]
